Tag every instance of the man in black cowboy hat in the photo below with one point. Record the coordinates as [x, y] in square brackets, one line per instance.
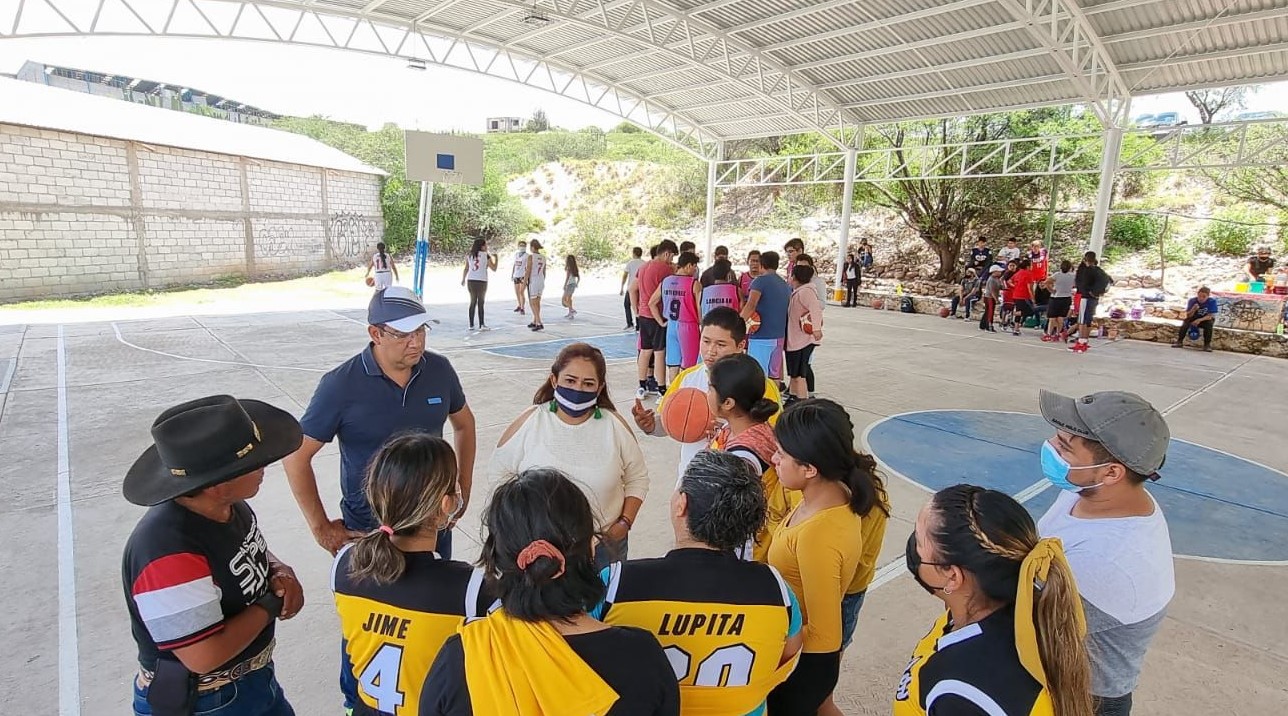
[202, 588]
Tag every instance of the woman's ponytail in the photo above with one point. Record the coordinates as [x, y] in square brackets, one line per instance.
[1061, 643]
[406, 483]
[375, 557]
[762, 410]
[867, 490]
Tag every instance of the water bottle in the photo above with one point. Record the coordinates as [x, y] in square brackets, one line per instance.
[1138, 310]
[898, 288]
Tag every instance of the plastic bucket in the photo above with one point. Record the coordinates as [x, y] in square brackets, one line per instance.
[1257, 287]
[1241, 288]
[838, 294]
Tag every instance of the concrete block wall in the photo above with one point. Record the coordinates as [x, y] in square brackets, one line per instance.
[289, 246]
[72, 223]
[181, 250]
[181, 179]
[285, 187]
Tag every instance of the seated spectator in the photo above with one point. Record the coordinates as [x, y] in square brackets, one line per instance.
[1259, 265]
[968, 292]
[1200, 313]
[981, 257]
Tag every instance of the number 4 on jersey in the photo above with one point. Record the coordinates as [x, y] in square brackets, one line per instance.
[379, 679]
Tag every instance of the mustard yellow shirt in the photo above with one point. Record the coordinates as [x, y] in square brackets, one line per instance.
[874, 527]
[819, 558]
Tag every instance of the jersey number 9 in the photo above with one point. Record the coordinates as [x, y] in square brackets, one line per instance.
[726, 666]
[379, 678]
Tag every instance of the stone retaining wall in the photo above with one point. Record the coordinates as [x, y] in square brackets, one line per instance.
[1155, 330]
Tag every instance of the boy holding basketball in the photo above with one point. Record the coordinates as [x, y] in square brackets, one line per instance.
[724, 333]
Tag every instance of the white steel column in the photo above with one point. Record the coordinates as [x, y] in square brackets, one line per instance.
[712, 165]
[847, 205]
[1113, 145]
[711, 209]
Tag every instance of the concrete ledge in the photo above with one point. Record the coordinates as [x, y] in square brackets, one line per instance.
[1154, 330]
[1223, 339]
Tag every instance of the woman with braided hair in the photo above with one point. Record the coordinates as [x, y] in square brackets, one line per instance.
[1011, 641]
[541, 653]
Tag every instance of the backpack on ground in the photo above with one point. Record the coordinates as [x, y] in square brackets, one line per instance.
[906, 305]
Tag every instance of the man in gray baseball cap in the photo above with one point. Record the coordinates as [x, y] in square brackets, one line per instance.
[1106, 448]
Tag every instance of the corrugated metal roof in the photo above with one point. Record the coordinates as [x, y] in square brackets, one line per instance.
[34, 105]
[853, 60]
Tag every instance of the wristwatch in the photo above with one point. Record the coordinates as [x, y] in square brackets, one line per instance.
[271, 604]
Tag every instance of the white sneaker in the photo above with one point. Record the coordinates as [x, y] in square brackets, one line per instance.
[485, 328]
[641, 393]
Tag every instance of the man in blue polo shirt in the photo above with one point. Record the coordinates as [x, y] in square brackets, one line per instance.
[393, 386]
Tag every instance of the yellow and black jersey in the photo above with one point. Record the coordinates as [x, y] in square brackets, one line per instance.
[721, 621]
[972, 670]
[393, 632]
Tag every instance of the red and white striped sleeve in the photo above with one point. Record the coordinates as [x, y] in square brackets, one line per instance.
[178, 601]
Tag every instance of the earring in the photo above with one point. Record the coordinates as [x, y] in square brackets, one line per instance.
[947, 591]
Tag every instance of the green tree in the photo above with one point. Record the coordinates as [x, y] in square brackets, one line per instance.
[943, 209]
[539, 122]
[1211, 102]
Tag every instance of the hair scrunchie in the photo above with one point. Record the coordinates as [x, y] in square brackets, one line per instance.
[537, 549]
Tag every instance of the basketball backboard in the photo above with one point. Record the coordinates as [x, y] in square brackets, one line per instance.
[443, 158]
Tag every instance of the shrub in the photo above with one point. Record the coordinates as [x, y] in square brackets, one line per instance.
[1228, 234]
[1134, 232]
[599, 235]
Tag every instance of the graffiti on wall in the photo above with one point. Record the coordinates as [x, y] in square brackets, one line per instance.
[353, 234]
[273, 242]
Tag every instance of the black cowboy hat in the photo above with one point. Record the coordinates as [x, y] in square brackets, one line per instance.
[208, 441]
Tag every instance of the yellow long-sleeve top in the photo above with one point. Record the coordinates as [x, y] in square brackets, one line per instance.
[874, 527]
[819, 557]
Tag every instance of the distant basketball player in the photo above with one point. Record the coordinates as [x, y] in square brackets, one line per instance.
[675, 302]
[723, 291]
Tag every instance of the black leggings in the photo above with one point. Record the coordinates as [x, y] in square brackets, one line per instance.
[808, 687]
[478, 289]
[851, 291]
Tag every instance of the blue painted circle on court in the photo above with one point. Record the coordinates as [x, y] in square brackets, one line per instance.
[615, 346]
[1218, 505]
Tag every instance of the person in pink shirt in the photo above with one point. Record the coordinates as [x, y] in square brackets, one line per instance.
[804, 329]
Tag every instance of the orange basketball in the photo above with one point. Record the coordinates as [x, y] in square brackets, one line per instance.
[686, 415]
[371, 281]
[753, 323]
[878, 304]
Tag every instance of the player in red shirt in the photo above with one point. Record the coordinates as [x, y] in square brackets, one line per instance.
[1022, 294]
[652, 335]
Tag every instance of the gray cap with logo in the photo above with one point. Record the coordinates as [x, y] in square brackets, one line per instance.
[1131, 429]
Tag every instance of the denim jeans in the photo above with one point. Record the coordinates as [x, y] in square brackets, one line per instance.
[630, 315]
[850, 606]
[255, 694]
[1112, 705]
[607, 552]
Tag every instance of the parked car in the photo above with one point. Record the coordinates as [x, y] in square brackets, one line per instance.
[1145, 120]
[1168, 119]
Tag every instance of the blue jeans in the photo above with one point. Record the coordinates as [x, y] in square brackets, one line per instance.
[349, 682]
[850, 607]
[255, 694]
[607, 552]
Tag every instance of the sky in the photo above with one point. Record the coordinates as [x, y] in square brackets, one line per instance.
[368, 89]
[305, 81]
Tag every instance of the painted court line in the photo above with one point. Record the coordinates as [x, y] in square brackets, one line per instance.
[68, 646]
[8, 375]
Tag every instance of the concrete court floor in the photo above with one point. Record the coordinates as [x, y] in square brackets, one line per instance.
[1221, 648]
